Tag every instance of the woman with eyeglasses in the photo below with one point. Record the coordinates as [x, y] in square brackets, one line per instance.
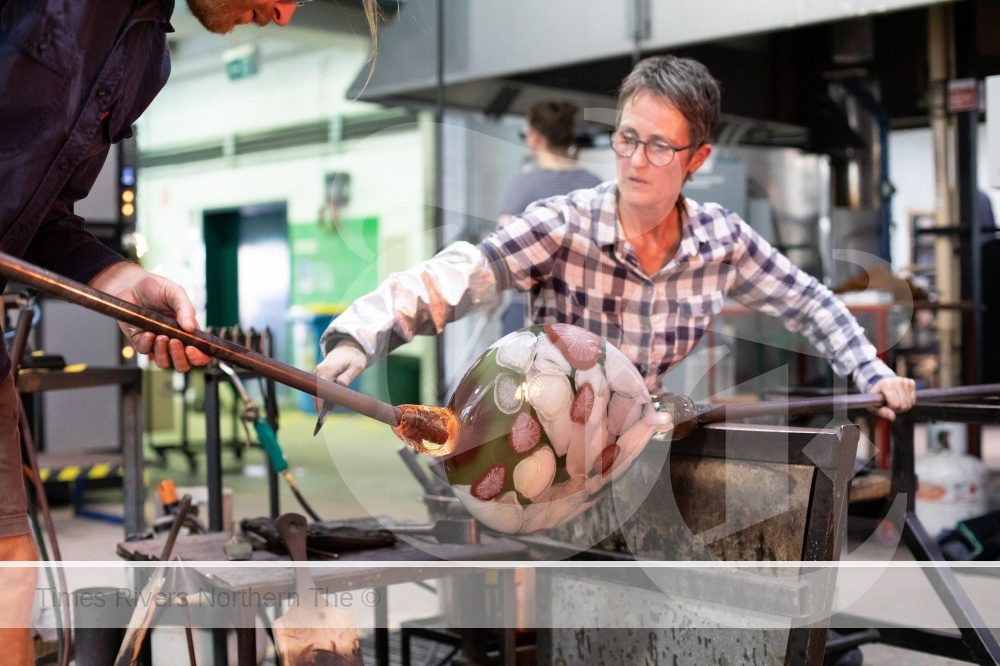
[632, 260]
[550, 135]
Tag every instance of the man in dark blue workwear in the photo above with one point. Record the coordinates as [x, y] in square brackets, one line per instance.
[74, 76]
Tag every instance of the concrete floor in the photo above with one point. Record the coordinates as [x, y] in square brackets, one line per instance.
[353, 470]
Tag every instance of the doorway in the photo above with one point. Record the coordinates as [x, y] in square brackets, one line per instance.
[248, 269]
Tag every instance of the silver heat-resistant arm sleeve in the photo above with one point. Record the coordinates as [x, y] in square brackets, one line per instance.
[455, 282]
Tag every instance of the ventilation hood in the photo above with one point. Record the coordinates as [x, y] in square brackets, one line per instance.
[502, 57]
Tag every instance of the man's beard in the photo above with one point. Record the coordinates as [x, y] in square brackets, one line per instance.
[219, 16]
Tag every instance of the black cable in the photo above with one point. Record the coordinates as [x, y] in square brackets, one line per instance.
[305, 505]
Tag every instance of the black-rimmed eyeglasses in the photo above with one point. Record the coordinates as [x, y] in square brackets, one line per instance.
[658, 153]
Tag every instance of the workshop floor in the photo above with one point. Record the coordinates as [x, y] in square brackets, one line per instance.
[363, 452]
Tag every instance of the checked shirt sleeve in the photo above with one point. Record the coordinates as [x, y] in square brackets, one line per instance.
[769, 283]
[450, 285]
[524, 250]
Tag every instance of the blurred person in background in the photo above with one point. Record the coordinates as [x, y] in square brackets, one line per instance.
[550, 135]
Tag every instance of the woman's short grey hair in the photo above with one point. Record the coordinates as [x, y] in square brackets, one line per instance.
[685, 84]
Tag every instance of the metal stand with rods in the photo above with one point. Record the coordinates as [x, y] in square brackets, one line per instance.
[271, 416]
[214, 444]
[976, 643]
[213, 463]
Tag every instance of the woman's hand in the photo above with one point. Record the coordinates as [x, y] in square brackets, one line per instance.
[900, 396]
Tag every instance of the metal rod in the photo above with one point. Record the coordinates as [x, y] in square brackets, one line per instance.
[815, 405]
[189, 635]
[440, 364]
[382, 626]
[983, 646]
[213, 452]
[75, 292]
[271, 416]
[31, 459]
[182, 511]
[21, 333]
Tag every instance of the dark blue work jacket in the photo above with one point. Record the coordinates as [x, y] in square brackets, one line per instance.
[74, 76]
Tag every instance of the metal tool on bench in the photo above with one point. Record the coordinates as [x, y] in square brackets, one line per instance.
[313, 632]
[267, 438]
[142, 616]
[688, 415]
[324, 540]
[447, 530]
[430, 430]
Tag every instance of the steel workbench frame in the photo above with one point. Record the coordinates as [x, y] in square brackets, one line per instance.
[976, 643]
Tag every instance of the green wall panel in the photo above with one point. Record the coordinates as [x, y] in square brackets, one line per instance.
[332, 267]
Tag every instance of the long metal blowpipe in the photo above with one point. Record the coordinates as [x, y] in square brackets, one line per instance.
[855, 401]
[688, 415]
[148, 320]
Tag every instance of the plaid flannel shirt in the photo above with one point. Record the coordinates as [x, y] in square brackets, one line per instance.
[569, 252]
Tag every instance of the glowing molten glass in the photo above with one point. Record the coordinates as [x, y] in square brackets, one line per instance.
[548, 417]
[429, 430]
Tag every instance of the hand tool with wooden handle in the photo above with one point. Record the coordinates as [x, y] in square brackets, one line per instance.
[313, 633]
[146, 603]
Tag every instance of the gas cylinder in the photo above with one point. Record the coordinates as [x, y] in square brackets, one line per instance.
[951, 484]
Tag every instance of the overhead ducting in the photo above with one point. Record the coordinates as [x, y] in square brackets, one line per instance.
[502, 57]
[326, 131]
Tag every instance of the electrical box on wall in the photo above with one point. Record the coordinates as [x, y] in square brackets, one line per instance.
[337, 195]
[993, 129]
